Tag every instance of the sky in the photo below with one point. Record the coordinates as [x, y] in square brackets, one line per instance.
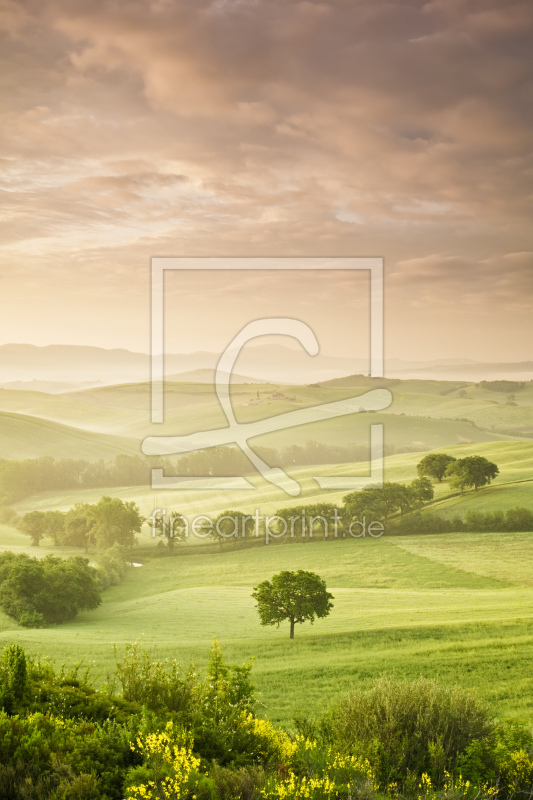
[252, 128]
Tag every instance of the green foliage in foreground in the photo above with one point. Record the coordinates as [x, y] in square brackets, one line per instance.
[159, 730]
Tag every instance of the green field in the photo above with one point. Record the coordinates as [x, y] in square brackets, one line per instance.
[455, 606]
[459, 607]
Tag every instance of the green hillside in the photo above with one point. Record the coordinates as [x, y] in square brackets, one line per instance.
[494, 411]
[458, 607]
[511, 488]
[23, 437]
[421, 416]
[455, 606]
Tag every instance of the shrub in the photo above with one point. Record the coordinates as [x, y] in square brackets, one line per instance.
[45, 756]
[238, 784]
[222, 702]
[13, 677]
[425, 522]
[38, 592]
[266, 744]
[158, 685]
[409, 727]
[319, 772]
[514, 520]
[169, 770]
[516, 773]
[504, 759]
[112, 566]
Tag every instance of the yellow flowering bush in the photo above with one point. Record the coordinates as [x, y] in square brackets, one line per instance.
[516, 772]
[172, 766]
[318, 773]
[269, 744]
[455, 789]
[294, 788]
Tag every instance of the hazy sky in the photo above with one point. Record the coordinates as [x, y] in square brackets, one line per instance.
[400, 129]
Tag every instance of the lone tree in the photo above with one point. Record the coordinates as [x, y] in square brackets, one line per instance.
[296, 596]
[434, 465]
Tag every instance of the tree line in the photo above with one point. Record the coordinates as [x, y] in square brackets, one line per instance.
[109, 522]
[19, 479]
[301, 522]
[390, 502]
[512, 520]
[113, 521]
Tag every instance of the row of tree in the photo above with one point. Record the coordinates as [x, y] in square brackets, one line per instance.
[113, 521]
[300, 522]
[109, 522]
[377, 503]
[19, 479]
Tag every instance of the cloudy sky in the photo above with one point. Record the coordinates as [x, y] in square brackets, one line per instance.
[394, 128]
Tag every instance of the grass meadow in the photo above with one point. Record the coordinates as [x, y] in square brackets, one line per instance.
[455, 606]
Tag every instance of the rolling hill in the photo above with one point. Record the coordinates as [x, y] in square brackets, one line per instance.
[23, 437]
[514, 486]
[454, 607]
[422, 415]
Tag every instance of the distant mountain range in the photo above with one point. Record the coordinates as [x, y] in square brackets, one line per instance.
[49, 387]
[57, 368]
[208, 376]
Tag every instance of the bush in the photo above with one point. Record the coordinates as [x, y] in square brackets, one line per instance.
[157, 685]
[44, 756]
[64, 740]
[112, 566]
[319, 772]
[238, 784]
[409, 727]
[219, 721]
[39, 592]
[504, 760]
[13, 677]
[425, 522]
[169, 770]
[514, 520]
